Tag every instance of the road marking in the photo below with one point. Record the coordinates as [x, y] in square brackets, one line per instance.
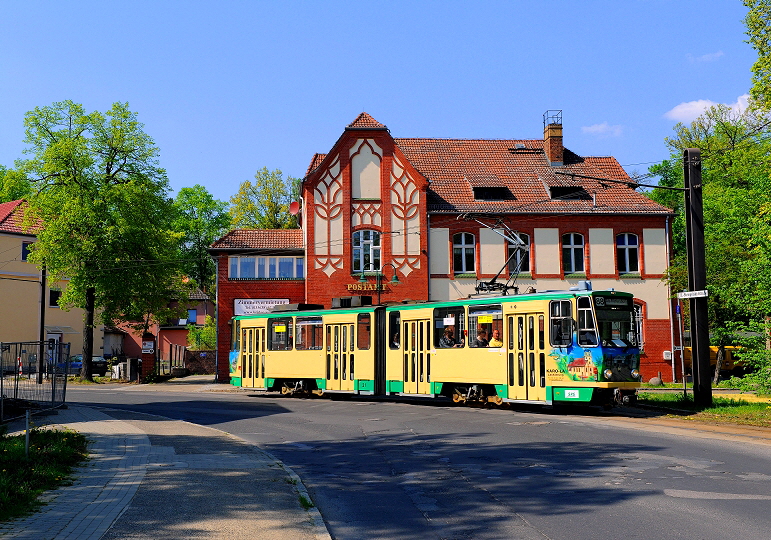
[708, 495]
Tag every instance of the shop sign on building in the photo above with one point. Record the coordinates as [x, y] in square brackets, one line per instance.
[252, 306]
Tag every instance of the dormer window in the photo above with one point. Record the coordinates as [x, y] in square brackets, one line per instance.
[569, 193]
[488, 187]
[491, 193]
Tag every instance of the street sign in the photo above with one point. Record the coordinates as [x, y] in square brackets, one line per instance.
[693, 294]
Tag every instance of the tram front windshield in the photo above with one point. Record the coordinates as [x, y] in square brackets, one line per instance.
[615, 321]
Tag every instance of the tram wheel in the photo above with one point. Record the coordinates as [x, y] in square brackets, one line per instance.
[457, 398]
[285, 390]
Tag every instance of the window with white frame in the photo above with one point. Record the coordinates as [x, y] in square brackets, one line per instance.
[366, 251]
[463, 246]
[266, 268]
[638, 323]
[626, 253]
[520, 261]
[572, 253]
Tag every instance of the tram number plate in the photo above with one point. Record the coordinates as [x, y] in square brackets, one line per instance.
[571, 394]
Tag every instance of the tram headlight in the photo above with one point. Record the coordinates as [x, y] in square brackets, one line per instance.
[635, 374]
[607, 373]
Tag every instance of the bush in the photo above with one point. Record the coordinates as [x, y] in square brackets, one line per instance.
[755, 357]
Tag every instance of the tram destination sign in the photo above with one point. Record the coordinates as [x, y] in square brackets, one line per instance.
[693, 294]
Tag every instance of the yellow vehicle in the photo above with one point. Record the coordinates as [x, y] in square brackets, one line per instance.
[556, 347]
[732, 364]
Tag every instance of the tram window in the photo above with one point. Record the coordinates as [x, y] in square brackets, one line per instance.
[309, 333]
[280, 334]
[482, 321]
[522, 369]
[530, 333]
[394, 322]
[365, 329]
[541, 337]
[511, 333]
[560, 323]
[521, 333]
[449, 327]
[235, 337]
[616, 322]
[542, 369]
[587, 331]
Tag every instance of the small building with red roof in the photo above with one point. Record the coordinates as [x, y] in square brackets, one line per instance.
[432, 210]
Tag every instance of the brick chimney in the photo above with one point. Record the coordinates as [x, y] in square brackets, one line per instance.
[552, 137]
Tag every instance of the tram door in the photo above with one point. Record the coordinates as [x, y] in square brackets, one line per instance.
[417, 356]
[340, 359]
[526, 356]
[253, 357]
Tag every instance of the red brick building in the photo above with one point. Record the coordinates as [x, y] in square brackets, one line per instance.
[433, 210]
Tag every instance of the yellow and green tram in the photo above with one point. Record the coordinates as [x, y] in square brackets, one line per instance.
[554, 347]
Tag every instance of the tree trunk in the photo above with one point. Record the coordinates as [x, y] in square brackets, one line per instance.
[719, 363]
[87, 372]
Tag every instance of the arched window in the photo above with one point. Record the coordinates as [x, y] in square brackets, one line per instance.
[366, 251]
[638, 324]
[463, 253]
[627, 253]
[520, 262]
[572, 253]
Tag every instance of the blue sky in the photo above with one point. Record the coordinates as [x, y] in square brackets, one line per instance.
[226, 88]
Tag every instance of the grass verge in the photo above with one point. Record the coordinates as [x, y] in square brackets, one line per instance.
[723, 410]
[52, 455]
[305, 502]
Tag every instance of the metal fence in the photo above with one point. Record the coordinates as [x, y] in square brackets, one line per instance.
[33, 376]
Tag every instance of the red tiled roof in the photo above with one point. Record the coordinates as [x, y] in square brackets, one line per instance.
[273, 239]
[364, 120]
[11, 216]
[315, 162]
[198, 294]
[454, 166]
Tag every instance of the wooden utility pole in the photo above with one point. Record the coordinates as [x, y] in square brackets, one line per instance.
[697, 277]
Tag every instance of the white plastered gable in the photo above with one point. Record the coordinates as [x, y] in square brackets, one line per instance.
[366, 156]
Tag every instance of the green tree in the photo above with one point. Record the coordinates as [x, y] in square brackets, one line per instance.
[264, 204]
[736, 155]
[13, 185]
[201, 219]
[102, 199]
[758, 22]
[202, 338]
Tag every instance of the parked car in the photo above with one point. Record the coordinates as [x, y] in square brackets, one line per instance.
[98, 365]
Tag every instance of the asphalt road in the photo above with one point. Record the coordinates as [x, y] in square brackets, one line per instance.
[385, 469]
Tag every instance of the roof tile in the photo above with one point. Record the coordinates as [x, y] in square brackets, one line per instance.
[273, 239]
[454, 166]
[11, 217]
[364, 120]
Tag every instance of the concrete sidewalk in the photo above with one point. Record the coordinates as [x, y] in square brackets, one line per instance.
[151, 477]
